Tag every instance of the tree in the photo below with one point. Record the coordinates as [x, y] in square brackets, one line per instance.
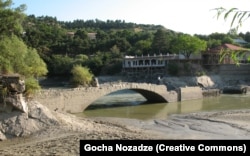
[11, 19]
[212, 43]
[95, 63]
[122, 44]
[187, 45]
[81, 59]
[60, 65]
[142, 47]
[16, 57]
[102, 39]
[217, 36]
[36, 67]
[227, 39]
[12, 52]
[160, 42]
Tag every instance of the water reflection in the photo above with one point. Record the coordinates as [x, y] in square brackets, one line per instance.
[134, 108]
[227, 102]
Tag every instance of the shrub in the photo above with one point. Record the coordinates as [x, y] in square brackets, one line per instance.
[81, 76]
[31, 87]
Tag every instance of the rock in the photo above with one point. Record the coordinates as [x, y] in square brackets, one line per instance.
[19, 124]
[14, 124]
[17, 118]
[14, 83]
[18, 102]
[2, 136]
[205, 81]
[5, 108]
[11, 89]
[41, 113]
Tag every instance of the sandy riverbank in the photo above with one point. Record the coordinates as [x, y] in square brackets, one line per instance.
[64, 138]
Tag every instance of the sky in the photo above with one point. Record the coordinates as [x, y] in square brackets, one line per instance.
[187, 16]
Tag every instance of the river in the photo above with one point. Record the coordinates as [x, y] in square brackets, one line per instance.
[128, 104]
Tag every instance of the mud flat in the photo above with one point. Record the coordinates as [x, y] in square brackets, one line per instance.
[64, 139]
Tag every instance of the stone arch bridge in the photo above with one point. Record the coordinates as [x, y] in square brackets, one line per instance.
[76, 100]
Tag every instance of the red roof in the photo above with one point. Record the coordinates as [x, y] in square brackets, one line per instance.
[232, 47]
[226, 47]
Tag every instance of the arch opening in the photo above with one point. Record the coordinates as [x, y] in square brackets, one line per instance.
[120, 98]
[151, 97]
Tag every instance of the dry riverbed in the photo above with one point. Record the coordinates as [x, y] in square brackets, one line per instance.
[64, 139]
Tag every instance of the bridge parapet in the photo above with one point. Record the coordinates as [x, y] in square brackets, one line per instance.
[147, 86]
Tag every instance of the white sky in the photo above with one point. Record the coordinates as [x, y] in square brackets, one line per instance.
[187, 16]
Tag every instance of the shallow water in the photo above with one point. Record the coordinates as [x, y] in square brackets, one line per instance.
[128, 104]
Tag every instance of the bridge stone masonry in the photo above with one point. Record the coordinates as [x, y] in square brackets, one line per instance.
[76, 100]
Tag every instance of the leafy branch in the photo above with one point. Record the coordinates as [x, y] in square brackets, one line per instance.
[239, 16]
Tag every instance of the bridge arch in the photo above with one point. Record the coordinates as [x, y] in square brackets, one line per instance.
[150, 95]
[76, 100]
[145, 96]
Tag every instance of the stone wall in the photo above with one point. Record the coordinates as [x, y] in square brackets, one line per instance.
[190, 93]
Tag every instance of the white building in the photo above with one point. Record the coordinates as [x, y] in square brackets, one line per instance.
[148, 61]
[153, 66]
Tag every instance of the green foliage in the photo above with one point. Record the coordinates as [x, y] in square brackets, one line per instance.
[32, 86]
[96, 63]
[160, 42]
[16, 57]
[81, 59]
[64, 44]
[238, 16]
[237, 20]
[212, 43]
[143, 46]
[122, 44]
[235, 56]
[60, 65]
[12, 53]
[112, 68]
[68, 41]
[11, 19]
[5, 66]
[187, 45]
[81, 76]
[227, 39]
[35, 66]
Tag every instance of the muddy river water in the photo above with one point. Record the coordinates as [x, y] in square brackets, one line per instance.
[128, 104]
